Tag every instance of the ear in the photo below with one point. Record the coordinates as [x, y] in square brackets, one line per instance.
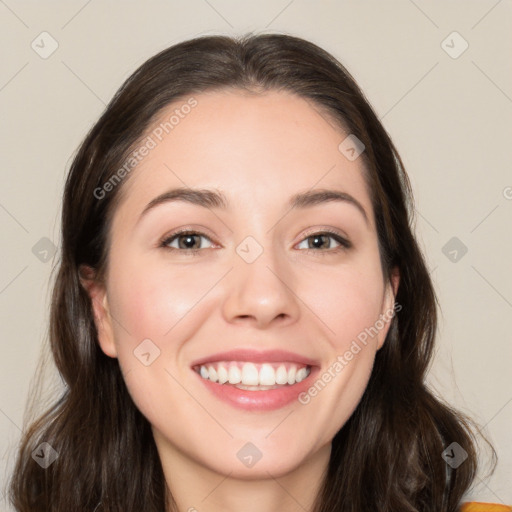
[99, 302]
[388, 306]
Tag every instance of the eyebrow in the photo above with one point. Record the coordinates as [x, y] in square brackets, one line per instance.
[215, 199]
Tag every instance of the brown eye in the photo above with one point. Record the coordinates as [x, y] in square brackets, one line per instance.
[186, 240]
[323, 240]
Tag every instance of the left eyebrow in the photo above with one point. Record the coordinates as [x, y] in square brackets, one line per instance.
[320, 196]
[215, 199]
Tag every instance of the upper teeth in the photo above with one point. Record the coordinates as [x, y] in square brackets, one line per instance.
[252, 374]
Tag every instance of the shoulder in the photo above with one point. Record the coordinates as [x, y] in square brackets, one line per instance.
[474, 506]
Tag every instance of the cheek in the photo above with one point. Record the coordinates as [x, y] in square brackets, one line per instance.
[155, 298]
[155, 303]
[347, 300]
[348, 303]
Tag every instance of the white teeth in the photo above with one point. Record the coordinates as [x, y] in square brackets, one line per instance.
[291, 375]
[222, 373]
[251, 374]
[255, 388]
[235, 375]
[213, 374]
[301, 375]
[281, 375]
[267, 375]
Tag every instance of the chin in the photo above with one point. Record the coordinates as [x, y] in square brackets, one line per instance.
[275, 465]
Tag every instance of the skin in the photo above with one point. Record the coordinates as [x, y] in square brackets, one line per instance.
[258, 150]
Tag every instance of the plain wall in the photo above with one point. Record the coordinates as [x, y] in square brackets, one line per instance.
[449, 117]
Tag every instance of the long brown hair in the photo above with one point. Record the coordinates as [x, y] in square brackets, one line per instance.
[387, 457]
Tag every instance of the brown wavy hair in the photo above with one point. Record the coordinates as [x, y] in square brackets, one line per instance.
[387, 457]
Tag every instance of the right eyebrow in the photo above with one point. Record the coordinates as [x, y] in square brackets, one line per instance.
[201, 197]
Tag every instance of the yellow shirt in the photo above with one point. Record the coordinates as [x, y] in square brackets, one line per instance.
[474, 506]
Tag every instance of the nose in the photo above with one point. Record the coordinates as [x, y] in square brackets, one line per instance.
[262, 292]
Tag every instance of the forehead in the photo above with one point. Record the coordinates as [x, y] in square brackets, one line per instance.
[256, 148]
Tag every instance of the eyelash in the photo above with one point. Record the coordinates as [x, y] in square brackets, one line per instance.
[344, 244]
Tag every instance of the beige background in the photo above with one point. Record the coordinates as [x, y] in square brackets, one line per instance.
[450, 118]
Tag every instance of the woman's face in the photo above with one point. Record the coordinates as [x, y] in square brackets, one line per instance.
[255, 274]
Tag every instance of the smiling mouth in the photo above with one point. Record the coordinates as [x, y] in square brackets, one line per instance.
[254, 376]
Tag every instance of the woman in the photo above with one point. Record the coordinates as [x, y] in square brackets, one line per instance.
[242, 316]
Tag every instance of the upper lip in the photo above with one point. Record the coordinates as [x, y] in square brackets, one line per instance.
[256, 356]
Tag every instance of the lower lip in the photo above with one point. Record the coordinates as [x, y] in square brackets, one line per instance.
[264, 400]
